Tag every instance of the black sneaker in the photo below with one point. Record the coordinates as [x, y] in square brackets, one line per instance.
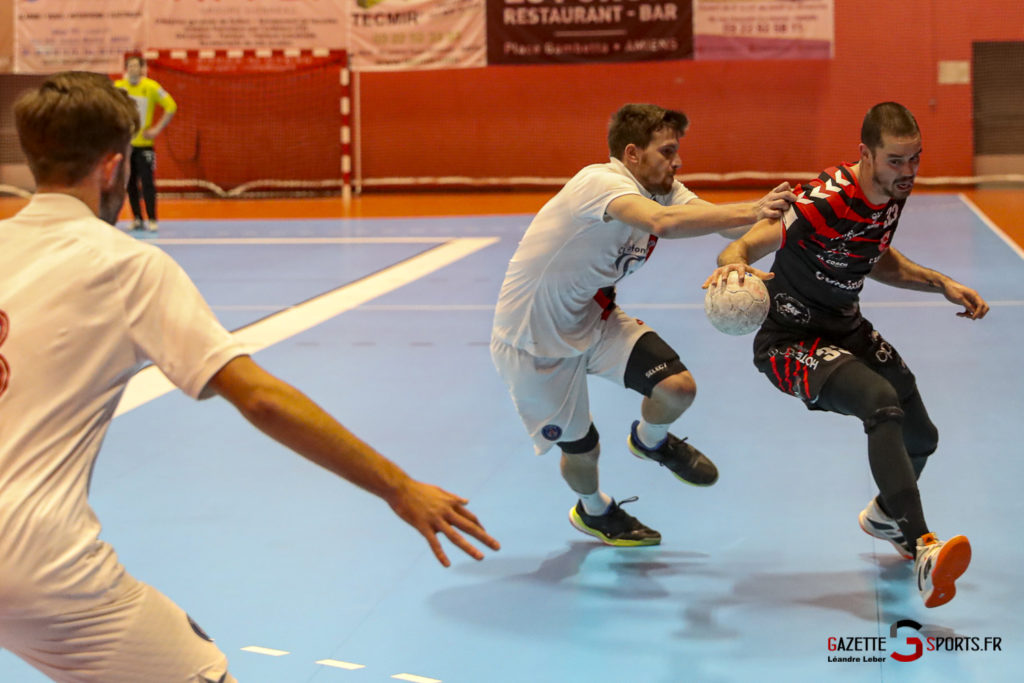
[614, 527]
[685, 461]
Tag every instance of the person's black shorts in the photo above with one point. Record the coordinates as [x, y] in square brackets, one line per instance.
[799, 364]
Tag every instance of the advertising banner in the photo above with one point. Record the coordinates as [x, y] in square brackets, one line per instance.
[758, 29]
[568, 31]
[6, 37]
[398, 35]
[245, 24]
[58, 35]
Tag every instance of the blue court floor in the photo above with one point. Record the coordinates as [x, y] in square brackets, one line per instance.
[756, 576]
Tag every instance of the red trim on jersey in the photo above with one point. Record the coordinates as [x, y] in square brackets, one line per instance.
[807, 384]
[5, 369]
[775, 369]
[652, 241]
[606, 303]
[814, 217]
[789, 374]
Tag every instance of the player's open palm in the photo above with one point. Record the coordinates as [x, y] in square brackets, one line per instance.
[432, 510]
[975, 307]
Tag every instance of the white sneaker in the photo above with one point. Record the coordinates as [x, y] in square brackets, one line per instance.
[938, 565]
[137, 224]
[876, 523]
[151, 226]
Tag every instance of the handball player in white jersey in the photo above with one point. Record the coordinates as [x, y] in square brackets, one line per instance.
[556, 320]
[82, 307]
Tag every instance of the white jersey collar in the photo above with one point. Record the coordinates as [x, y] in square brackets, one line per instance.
[57, 202]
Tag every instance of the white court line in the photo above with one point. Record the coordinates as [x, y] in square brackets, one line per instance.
[151, 383]
[341, 665]
[630, 306]
[991, 226]
[263, 241]
[265, 651]
[416, 679]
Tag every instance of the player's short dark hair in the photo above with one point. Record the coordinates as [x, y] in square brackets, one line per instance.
[135, 57]
[887, 118]
[637, 123]
[70, 122]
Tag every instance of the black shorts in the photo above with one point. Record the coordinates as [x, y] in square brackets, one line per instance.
[799, 363]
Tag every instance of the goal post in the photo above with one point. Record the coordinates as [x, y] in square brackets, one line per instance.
[255, 122]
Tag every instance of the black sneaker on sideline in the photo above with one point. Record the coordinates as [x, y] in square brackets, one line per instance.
[684, 461]
[615, 527]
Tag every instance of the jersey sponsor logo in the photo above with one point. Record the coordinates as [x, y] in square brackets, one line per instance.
[633, 255]
[5, 369]
[799, 354]
[884, 351]
[850, 286]
[551, 432]
[791, 309]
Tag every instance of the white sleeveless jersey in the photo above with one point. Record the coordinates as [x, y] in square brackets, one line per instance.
[82, 307]
[572, 249]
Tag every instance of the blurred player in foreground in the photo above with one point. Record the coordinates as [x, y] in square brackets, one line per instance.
[83, 306]
[816, 345]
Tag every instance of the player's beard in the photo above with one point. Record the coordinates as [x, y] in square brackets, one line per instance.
[660, 187]
[891, 190]
[112, 200]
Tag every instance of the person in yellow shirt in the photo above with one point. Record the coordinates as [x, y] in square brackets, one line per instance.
[146, 93]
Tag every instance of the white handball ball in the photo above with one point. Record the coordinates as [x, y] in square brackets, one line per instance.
[737, 309]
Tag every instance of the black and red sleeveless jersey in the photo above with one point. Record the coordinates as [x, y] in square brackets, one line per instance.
[833, 238]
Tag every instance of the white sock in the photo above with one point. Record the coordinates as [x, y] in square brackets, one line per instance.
[651, 434]
[596, 503]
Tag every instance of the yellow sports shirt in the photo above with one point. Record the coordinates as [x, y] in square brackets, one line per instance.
[147, 94]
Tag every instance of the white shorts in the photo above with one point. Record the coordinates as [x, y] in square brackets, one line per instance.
[133, 634]
[551, 393]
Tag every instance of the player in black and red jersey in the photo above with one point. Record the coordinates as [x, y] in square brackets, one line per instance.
[816, 345]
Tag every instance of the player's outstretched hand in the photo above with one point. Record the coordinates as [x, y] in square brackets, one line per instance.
[775, 203]
[721, 274]
[975, 307]
[432, 510]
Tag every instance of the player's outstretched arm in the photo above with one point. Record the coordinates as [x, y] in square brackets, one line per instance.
[896, 270]
[698, 217]
[290, 417]
[762, 239]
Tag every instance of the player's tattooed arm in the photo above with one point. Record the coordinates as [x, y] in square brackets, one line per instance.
[896, 270]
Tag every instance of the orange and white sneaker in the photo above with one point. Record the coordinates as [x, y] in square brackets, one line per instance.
[938, 565]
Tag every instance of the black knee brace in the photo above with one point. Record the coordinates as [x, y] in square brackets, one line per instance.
[584, 445]
[887, 414]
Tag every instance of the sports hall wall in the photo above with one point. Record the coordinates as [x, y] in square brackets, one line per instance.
[786, 117]
[546, 121]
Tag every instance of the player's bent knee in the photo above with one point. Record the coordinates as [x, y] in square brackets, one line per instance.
[651, 362]
[581, 446]
[921, 441]
[882, 415]
[678, 388]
